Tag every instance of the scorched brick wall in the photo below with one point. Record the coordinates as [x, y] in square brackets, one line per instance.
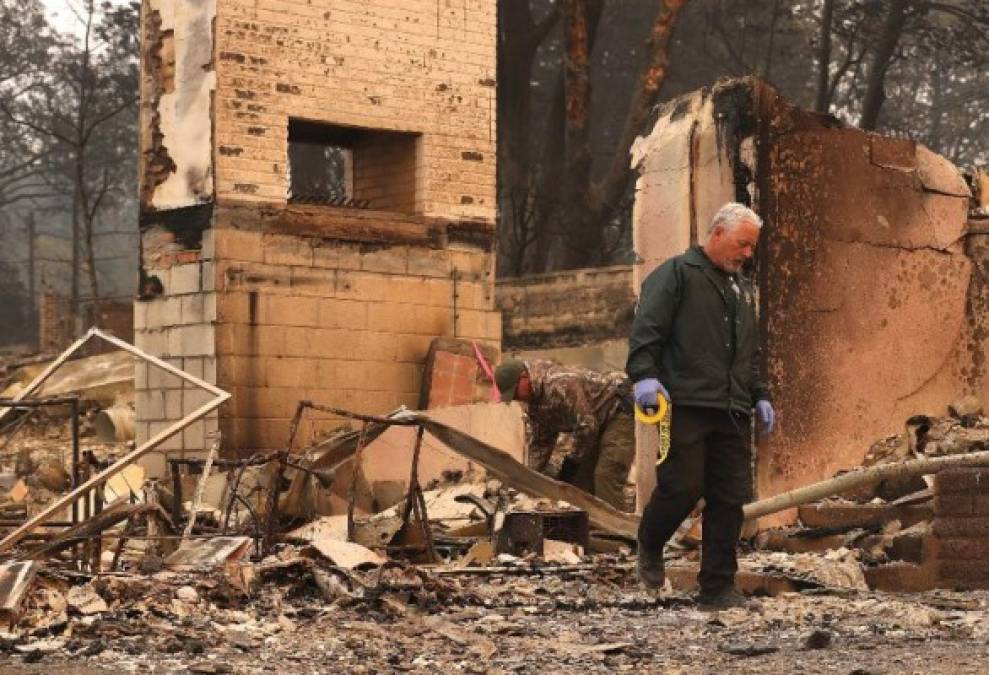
[329, 303]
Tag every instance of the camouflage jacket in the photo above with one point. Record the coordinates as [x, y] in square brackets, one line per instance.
[569, 399]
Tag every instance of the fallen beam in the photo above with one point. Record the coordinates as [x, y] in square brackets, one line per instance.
[504, 467]
[858, 478]
[114, 514]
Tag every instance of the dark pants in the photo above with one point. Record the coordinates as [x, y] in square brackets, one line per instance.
[711, 457]
[604, 471]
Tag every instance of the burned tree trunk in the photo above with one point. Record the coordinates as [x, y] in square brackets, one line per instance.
[875, 93]
[823, 100]
[519, 37]
[600, 199]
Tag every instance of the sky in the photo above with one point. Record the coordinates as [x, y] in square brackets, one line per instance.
[61, 16]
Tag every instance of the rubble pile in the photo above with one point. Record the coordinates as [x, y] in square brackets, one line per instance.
[295, 557]
[890, 521]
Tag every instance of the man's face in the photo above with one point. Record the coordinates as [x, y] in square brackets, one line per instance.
[730, 250]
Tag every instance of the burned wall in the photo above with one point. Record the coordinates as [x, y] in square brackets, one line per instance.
[178, 82]
[417, 67]
[566, 309]
[864, 282]
[318, 300]
[340, 322]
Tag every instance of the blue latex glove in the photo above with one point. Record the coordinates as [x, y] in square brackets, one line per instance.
[646, 392]
[766, 415]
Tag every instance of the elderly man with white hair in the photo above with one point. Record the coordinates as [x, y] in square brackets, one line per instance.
[695, 341]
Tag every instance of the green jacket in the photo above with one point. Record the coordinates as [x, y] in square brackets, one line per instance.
[682, 334]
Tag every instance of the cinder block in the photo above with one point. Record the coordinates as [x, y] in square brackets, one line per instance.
[208, 276]
[390, 260]
[953, 505]
[193, 399]
[391, 317]
[154, 463]
[440, 293]
[234, 244]
[173, 442]
[140, 374]
[209, 369]
[193, 366]
[234, 307]
[185, 279]
[434, 321]
[237, 339]
[313, 281]
[349, 373]
[194, 436]
[140, 315]
[962, 480]
[267, 340]
[288, 372]
[286, 250]
[472, 324]
[349, 314]
[149, 406]
[395, 377]
[173, 341]
[141, 433]
[238, 370]
[294, 341]
[411, 348]
[289, 310]
[326, 255]
[961, 528]
[495, 327]
[964, 574]
[363, 286]
[471, 265]
[209, 308]
[159, 378]
[963, 549]
[192, 308]
[207, 250]
[429, 262]
[163, 312]
[197, 340]
[980, 505]
[173, 404]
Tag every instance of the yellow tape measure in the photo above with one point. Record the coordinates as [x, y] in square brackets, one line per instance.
[664, 407]
[662, 419]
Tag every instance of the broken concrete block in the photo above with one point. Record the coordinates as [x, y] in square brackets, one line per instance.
[347, 554]
[480, 553]
[850, 515]
[85, 600]
[19, 492]
[563, 552]
[203, 554]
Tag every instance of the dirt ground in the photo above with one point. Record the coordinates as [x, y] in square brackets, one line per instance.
[404, 620]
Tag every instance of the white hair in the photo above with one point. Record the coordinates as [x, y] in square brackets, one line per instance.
[733, 214]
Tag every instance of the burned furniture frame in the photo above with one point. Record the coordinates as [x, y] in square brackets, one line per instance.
[98, 481]
[415, 519]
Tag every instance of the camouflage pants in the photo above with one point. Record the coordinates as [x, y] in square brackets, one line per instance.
[604, 472]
